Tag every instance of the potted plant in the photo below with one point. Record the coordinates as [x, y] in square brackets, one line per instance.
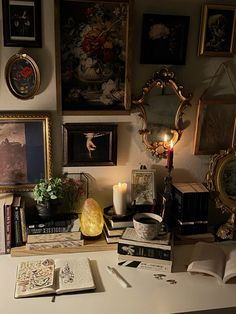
[46, 191]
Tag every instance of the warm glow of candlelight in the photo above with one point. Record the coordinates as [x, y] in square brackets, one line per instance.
[171, 144]
[119, 198]
[165, 138]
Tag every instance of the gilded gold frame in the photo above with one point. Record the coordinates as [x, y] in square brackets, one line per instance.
[22, 76]
[215, 182]
[26, 150]
[163, 78]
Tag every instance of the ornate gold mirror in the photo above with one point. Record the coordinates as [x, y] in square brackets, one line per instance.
[221, 180]
[164, 123]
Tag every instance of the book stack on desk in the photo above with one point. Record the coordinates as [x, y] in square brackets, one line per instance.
[115, 225]
[54, 240]
[145, 254]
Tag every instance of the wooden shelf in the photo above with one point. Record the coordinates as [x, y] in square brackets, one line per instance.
[89, 246]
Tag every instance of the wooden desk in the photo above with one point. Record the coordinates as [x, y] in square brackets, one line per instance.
[147, 294]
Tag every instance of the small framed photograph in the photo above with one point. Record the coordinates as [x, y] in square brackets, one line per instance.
[22, 23]
[143, 188]
[93, 72]
[213, 134]
[22, 76]
[25, 150]
[164, 39]
[90, 144]
[217, 30]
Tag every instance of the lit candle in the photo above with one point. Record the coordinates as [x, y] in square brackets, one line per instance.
[170, 156]
[119, 198]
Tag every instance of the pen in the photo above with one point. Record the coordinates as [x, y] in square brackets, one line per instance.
[118, 276]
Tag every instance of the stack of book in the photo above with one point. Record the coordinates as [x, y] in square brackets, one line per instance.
[54, 240]
[145, 254]
[115, 226]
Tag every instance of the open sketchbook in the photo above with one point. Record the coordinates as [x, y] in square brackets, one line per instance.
[210, 259]
[53, 276]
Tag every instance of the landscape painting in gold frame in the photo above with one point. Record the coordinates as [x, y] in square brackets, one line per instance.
[93, 42]
[217, 30]
[215, 126]
[25, 150]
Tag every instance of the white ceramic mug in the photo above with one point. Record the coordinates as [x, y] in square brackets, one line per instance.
[147, 225]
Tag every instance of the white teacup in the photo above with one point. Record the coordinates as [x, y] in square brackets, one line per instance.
[147, 225]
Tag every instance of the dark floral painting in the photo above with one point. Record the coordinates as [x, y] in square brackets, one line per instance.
[164, 39]
[93, 55]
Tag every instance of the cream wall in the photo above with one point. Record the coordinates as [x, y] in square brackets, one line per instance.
[194, 75]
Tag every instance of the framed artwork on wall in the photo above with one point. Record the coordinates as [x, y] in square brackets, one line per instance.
[22, 23]
[215, 126]
[217, 30]
[90, 144]
[93, 57]
[164, 39]
[25, 150]
[143, 187]
[22, 76]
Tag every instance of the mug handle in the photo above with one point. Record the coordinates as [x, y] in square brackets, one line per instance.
[164, 229]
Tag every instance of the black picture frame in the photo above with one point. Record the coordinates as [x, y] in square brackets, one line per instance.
[217, 30]
[25, 150]
[22, 23]
[93, 57]
[164, 39]
[89, 144]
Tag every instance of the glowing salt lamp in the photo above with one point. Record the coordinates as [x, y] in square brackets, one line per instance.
[91, 220]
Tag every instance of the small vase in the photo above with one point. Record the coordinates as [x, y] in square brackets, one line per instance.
[44, 210]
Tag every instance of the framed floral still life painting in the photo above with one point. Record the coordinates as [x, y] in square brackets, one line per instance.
[22, 23]
[92, 44]
[89, 144]
[22, 76]
[215, 126]
[217, 30]
[143, 187]
[25, 150]
[164, 39]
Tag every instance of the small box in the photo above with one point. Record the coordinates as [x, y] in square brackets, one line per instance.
[190, 207]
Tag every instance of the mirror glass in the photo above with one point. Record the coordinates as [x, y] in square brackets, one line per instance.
[161, 107]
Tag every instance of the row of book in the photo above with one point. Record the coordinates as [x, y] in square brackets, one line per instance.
[12, 222]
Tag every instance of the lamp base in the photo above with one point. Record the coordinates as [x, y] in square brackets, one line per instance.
[92, 238]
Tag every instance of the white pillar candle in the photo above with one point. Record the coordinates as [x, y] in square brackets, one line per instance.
[119, 198]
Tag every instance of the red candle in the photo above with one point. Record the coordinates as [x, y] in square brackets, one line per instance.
[170, 156]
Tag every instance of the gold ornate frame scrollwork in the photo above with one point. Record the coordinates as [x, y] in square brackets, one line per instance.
[221, 179]
[163, 78]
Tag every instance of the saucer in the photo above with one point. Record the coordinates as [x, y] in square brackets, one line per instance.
[109, 212]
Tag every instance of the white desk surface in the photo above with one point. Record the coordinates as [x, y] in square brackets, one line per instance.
[147, 295]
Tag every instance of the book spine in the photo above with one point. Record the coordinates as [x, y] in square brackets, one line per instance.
[135, 250]
[16, 226]
[8, 227]
[23, 224]
[121, 224]
[46, 230]
[2, 232]
[146, 266]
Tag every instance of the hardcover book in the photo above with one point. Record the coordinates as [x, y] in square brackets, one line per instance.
[112, 231]
[17, 231]
[58, 276]
[145, 263]
[211, 259]
[8, 221]
[126, 247]
[110, 239]
[131, 234]
[3, 196]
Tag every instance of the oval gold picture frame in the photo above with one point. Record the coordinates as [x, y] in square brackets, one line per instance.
[22, 76]
[221, 179]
